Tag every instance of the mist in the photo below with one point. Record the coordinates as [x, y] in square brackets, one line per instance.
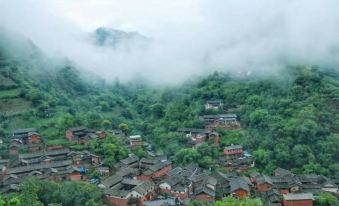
[187, 38]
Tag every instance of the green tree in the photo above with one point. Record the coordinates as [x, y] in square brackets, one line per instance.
[326, 199]
[106, 124]
[124, 127]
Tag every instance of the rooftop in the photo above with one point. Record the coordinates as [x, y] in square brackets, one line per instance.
[233, 147]
[23, 131]
[298, 196]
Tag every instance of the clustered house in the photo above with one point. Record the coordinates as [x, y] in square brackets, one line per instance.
[142, 181]
[135, 140]
[42, 162]
[83, 135]
[197, 136]
[225, 121]
[287, 189]
[213, 105]
[54, 165]
[184, 184]
[24, 139]
[236, 159]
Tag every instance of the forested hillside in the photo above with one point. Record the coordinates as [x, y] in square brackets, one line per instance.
[288, 120]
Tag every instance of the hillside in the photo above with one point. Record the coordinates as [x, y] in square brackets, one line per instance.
[290, 120]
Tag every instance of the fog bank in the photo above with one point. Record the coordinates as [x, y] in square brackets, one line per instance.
[186, 37]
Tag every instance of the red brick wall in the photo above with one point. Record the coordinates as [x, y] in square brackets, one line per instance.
[217, 140]
[241, 193]
[162, 172]
[179, 194]
[35, 148]
[114, 201]
[264, 187]
[69, 135]
[165, 191]
[144, 177]
[101, 135]
[34, 139]
[298, 203]
[284, 191]
[204, 197]
[135, 142]
[74, 176]
[174, 194]
[95, 160]
[55, 147]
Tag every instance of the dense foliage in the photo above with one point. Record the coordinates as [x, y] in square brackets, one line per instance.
[230, 201]
[35, 192]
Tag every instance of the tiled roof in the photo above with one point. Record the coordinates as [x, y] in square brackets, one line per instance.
[130, 160]
[144, 187]
[156, 167]
[239, 183]
[298, 196]
[77, 129]
[45, 153]
[29, 168]
[173, 180]
[282, 172]
[233, 147]
[26, 130]
[204, 190]
[174, 171]
[112, 180]
[264, 179]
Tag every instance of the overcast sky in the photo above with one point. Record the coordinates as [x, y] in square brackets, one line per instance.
[188, 36]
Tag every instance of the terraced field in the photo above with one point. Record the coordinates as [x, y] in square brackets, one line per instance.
[4, 81]
[9, 94]
[14, 105]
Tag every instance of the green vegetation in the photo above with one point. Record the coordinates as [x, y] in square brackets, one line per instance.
[325, 199]
[230, 201]
[34, 192]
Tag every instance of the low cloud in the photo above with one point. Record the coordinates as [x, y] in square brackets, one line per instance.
[187, 37]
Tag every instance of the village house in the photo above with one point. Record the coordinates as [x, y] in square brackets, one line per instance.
[213, 105]
[196, 136]
[145, 163]
[271, 197]
[27, 135]
[263, 183]
[226, 121]
[233, 152]
[126, 191]
[175, 171]
[240, 187]
[28, 139]
[300, 199]
[289, 184]
[117, 132]
[131, 161]
[285, 181]
[135, 140]
[156, 171]
[176, 186]
[3, 168]
[223, 183]
[84, 158]
[80, 135]
[103, 171]
[206, 190]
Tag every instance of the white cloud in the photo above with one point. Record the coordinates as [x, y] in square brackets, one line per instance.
[188, 36]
